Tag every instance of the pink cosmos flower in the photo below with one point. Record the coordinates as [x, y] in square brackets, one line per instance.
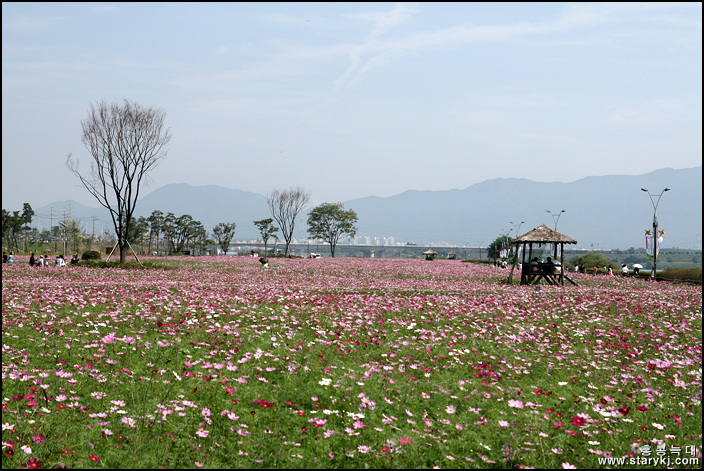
[202, 433]
[578, 421]
[404, 440]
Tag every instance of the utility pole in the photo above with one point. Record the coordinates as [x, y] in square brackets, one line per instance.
[51, 229]
[92, 236]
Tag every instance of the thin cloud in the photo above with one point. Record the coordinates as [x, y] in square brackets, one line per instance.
[26, 23]
[650, 113]
[375, 51]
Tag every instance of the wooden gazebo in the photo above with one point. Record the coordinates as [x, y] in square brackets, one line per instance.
[430, 254]
[533, 273]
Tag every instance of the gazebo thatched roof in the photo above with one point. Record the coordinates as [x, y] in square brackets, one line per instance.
[430, 252]
[544, 235]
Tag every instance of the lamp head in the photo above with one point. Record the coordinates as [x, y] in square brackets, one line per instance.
[644, 189]
[666, 189]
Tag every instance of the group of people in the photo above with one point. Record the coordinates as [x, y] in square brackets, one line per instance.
[610, 271]
[43, 260]
[625, 272]
[548, 266]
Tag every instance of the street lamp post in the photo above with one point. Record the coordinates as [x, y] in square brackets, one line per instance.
[655, 228]
[517, 226]
[555, 216]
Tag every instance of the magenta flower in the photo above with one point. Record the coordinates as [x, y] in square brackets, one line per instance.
[578, 421]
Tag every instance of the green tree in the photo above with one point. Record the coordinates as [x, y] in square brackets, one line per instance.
[499, 245]
[223, 233]
[198, 238]
[139, 229]
[15, 224]
[266, 230]
[27, 215]
[156, 225]
[179, 231]
[592, 259]
[330, 222]
[72, 234]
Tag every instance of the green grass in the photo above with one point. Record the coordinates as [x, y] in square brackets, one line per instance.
[402, 365]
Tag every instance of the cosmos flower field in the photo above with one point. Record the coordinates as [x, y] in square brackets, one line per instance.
[217, 362]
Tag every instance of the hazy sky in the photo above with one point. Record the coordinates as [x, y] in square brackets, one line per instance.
[355, 99]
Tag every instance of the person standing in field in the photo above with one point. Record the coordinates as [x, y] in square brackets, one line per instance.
[32, 260]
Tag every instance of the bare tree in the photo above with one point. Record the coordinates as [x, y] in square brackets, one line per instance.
[126, 142]
[285, 205]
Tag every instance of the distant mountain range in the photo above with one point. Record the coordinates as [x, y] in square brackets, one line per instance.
[607, 212]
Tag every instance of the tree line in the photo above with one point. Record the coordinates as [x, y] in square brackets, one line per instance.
[125, 142]
[173, 234]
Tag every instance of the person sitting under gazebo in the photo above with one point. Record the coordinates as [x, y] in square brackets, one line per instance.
[549, 266]
[534, 265]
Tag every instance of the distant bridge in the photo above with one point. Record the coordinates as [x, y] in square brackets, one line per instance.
[322, 248]
[366, 250]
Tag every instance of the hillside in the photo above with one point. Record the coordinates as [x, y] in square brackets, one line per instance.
[605, 212]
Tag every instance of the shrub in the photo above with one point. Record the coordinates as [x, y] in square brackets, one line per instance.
[129, 264]
[593, 258]
[91, 255]
[681, 274]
